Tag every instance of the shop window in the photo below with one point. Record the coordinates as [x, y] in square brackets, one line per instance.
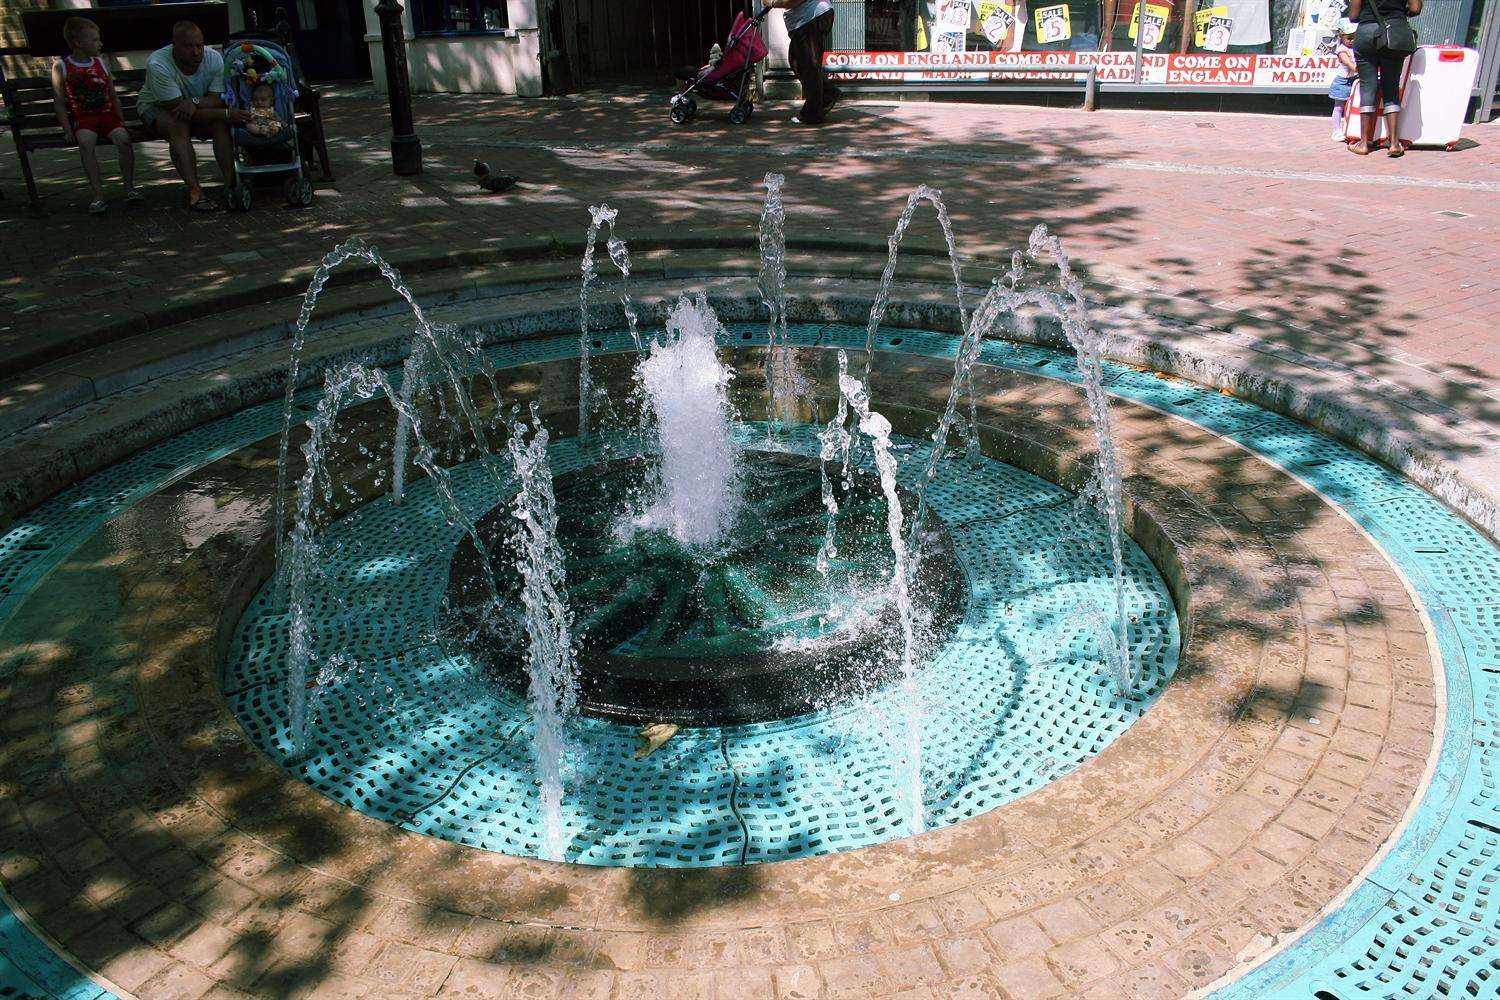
[459, 17]
[956, 26]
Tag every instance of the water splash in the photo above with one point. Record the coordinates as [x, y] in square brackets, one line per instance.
[590, 397]
[1089, 348]
[1003, 297]
[783, 378]
[687, 389]
[877, 429]
[302, 554]
[449, 355]
[834, 444]
[316, 501]
[883, 295]
[552, 694]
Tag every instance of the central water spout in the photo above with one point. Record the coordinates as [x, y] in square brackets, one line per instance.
[687, 389]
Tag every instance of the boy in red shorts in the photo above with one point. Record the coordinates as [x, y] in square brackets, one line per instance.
[87, 108]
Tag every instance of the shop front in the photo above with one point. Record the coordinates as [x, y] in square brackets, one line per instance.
[1210, 46]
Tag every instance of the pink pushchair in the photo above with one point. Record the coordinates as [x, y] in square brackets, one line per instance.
[730, 79]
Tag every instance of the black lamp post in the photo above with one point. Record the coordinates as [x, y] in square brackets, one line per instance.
[406, 148]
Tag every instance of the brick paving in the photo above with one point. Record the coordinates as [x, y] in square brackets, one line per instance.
[139, 828]
[1387, 265]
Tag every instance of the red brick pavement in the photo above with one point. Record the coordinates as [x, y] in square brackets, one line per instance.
[1379, 263]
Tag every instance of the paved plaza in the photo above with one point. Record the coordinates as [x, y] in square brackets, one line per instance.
[1388, 265]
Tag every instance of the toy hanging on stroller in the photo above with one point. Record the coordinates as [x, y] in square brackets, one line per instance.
[258, 77]
[728, 79]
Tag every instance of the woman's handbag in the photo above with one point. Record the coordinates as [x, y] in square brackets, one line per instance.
[1397, 37]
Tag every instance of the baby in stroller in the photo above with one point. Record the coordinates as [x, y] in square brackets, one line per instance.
[258, 77]
[729, 74]
[264, 121]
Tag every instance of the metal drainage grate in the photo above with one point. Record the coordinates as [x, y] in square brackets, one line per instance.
[1017, 696]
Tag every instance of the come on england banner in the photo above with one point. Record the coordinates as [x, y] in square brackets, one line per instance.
[1197, 69]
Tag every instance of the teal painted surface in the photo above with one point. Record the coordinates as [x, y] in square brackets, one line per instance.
[1424, 923]
[1018, 695]
[30, 968]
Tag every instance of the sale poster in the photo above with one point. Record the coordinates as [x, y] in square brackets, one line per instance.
[997, 22]
[954, 15]
[949, 41]
[1155, 25]
[1053, 24]
[1216, 35]
[1201, 17]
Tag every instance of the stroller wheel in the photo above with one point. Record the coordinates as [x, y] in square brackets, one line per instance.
[299, 192]
[240, 196]
[683, 111]
[741, 113]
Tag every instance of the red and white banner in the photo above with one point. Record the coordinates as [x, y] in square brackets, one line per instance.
[1193, 69]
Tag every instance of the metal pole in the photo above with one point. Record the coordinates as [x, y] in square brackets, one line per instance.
[406, 148]
[1489, 63]
[1140, 36]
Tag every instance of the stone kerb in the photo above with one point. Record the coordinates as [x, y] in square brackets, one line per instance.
[1454, 459]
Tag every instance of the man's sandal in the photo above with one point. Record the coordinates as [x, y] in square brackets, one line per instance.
[134, 197]
[97, 207]
[205, 203]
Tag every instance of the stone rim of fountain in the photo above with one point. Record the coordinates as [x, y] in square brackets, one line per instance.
[162, 390]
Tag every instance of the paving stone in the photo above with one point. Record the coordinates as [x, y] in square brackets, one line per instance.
[1030, 977]
[974, 988]
[1082, 962]
[177, 981]
[1066, 920]
[746, 981]
[964, 955]
[477, 980]
[797, 982]
[588, 985]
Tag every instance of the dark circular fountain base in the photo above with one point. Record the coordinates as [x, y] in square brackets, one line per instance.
[748, 631]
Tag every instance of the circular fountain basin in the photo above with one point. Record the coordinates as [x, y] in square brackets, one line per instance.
[749, 630]
[1282, 599]
[1013, 685]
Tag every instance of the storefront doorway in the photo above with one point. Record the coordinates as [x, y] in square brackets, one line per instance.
[612, 42]
[329, 34]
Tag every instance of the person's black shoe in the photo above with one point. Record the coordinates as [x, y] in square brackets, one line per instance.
[833, 99]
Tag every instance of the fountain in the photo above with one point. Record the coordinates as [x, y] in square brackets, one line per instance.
[687, 390]
[553, 689]
[699, 570]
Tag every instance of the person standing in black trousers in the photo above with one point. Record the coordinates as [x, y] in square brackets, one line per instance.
[810, 23]
[1379, 70]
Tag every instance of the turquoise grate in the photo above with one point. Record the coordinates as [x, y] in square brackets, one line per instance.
[1017, 696]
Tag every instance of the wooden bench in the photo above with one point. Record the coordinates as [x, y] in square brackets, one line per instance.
[32, 117]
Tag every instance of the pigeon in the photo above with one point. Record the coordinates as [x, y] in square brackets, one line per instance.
[493, 183]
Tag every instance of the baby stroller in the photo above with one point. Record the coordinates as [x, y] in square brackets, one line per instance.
[730, 78]
[248, 63]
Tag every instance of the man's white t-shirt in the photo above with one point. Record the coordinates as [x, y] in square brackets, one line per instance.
[165, 83]
[803, 13]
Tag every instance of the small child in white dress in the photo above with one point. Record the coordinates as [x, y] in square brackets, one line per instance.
[1343, 81]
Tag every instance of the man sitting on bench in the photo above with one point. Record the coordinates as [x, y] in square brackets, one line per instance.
[182, 99]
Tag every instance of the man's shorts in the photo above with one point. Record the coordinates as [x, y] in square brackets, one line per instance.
[204, 130]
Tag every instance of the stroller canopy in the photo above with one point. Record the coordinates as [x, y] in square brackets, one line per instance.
[248, 64]
[745, 47]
